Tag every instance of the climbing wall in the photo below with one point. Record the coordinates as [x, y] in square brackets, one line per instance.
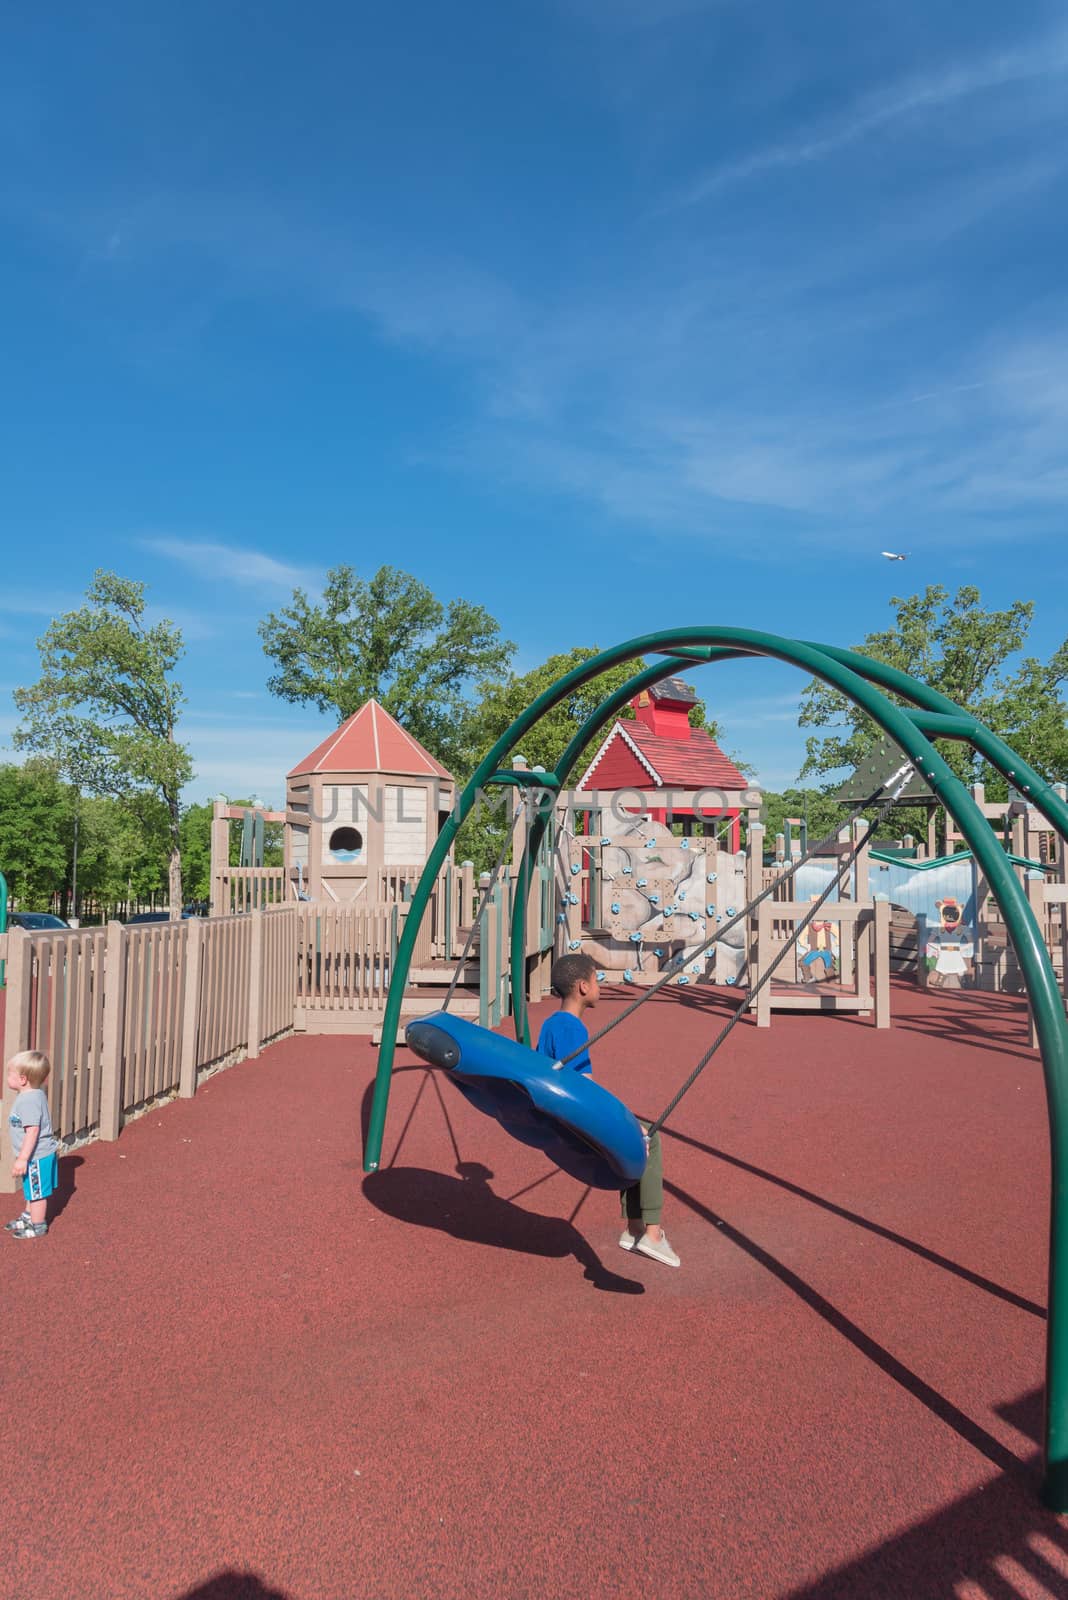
[652, 900]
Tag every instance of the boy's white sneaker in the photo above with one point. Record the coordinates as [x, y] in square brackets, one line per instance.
[657, 1250]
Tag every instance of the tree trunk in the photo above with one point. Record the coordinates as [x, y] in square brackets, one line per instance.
[174, 871]
[174, 885]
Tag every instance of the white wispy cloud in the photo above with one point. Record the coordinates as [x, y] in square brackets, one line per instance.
[898, 103]
[213, 561]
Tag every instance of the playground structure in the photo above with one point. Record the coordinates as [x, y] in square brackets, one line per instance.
[926, 716]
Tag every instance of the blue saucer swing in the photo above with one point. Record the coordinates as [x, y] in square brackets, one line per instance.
[580, 1126]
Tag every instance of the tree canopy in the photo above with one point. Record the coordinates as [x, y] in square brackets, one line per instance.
[965, 652]
[105, 708]
[388, 638]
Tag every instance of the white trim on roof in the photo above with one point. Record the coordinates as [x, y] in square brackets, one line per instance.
[589, 770]
[642, 757]
[438, 770]
[374, 732]
[318, 767]
[618, 727]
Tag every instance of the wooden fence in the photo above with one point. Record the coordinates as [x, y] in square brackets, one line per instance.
[253, 888]
[128, 1014]
[344, 956]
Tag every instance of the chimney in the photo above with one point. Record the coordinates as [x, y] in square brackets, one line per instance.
[665, 708]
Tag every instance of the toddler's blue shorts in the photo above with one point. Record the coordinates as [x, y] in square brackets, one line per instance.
[40, 1178]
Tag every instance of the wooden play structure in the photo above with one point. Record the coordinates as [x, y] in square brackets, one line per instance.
[844, 963]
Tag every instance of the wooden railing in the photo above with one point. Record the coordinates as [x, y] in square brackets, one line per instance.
[253, 889]
[128, 1015]
[343, 956]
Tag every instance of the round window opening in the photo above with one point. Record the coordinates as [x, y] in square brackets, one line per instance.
[346, 844]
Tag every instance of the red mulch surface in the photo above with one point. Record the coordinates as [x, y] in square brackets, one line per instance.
[237, 1368]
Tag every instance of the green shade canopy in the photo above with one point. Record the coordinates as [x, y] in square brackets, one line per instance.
[879, 765]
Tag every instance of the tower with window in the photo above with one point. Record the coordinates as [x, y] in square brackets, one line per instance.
[366, 803]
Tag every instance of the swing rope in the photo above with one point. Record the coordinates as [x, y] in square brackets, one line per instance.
[900, 778]
[766, 977]
[505, 843]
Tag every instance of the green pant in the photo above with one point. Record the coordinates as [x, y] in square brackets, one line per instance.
[644, 1200]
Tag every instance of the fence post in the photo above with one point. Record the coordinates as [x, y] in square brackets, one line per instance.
[882, 963]
[255, 984]
[757, 964]
[187, 1073]
[19, 979]
[114, 1013]
[486, 967]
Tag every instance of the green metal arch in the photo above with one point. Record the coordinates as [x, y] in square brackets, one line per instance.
[848, 672]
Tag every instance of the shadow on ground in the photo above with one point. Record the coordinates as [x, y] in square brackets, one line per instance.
[232, 1585]
[467, 1208]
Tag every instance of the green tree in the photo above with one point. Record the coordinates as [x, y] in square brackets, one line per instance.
[196, 846]
[36, 822]
[962, 650]
[546, 742]
[122, 850]
[105, 708]
[388, 638]
[823, 814]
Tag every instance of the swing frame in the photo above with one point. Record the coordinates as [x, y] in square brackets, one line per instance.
[926, 716]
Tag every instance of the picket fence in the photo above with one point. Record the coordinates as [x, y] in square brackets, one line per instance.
[128, 1014]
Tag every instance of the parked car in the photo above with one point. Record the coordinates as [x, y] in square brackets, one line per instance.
[35, 920]
[155, 916]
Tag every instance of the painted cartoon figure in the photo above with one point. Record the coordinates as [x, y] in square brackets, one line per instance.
[820, 960]
[950, 951]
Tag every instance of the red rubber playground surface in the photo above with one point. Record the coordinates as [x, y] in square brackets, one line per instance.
[237, 1369]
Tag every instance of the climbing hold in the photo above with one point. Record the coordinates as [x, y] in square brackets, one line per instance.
[574, 944]
[635, 938]
[682, 894]
[683, 978]
[696, 967]
[627, 871]
[658, 952]
[649, 843]
[572, 899]
[711, 877]
[641, 882]
[615, 908]
[575, 869]
[694, 916]
[600, 977]
[684, 844]
[731, 978]
[654, 899]
[669, 911]
[628, 976]
[730, 911]
[561, 916]
[606, 840]
[710, 911]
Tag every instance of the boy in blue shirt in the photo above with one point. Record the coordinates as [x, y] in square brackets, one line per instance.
[574, 979]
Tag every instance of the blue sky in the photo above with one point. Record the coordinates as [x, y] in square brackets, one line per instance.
[607, 314]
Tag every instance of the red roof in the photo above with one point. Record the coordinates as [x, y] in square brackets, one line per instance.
[693, 763]
[371, 741]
